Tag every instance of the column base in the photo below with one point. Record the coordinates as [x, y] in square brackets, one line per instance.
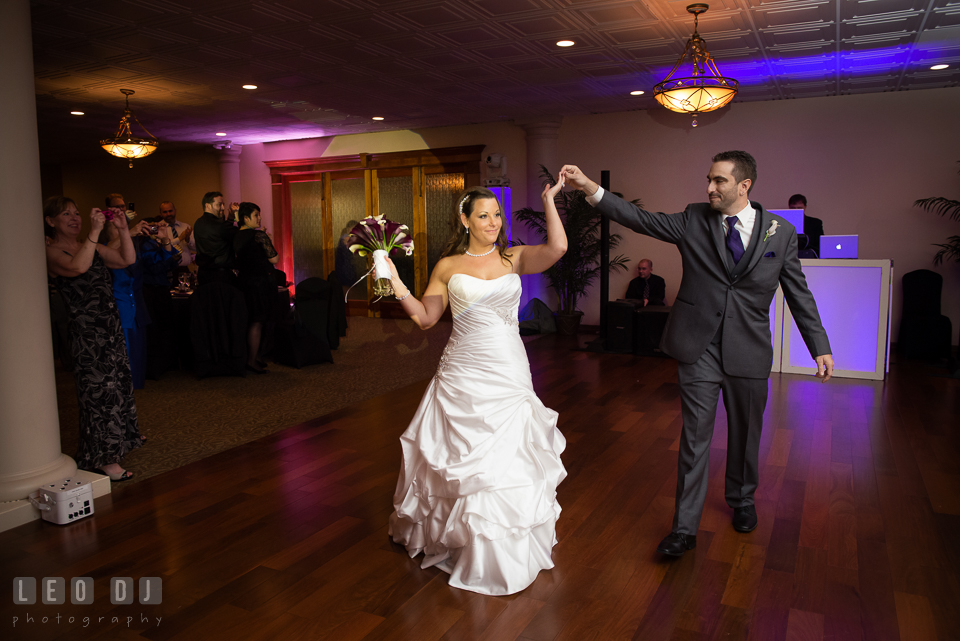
[16, 513]
[14, 487]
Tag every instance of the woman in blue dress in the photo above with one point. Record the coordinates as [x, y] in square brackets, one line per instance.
[153, 252]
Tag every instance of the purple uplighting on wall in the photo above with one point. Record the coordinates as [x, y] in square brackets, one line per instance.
[503, 196]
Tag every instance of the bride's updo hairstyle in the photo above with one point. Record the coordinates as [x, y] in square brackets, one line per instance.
[460, 240]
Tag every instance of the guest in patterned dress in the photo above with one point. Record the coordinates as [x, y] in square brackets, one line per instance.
[80, 271]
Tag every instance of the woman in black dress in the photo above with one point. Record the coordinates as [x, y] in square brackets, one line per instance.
[80, 271]
[255, 258]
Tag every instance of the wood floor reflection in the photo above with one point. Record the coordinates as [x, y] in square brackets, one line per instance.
[859, 535]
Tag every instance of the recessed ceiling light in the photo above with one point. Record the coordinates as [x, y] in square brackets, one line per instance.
[636, 93]
[76, 113]
[377, 118]
[220, 133]
[249, 86]
[566, 43]
[939, 67]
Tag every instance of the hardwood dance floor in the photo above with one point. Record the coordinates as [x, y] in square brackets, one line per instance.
[286, 537]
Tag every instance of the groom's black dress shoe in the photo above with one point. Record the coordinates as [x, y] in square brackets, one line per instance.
[675, 544]
[745, 518]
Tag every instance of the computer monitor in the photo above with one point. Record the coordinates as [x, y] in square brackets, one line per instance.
[839, 246]
[793, 216]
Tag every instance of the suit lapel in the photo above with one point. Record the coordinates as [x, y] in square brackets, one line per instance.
[755, 251]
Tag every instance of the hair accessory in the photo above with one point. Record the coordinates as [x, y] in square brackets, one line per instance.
[462, 201]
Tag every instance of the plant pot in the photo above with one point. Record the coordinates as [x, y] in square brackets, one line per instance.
[568, 322]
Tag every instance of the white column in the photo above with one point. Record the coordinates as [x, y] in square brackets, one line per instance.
[29, 427]
[542, 139]
[230, 174]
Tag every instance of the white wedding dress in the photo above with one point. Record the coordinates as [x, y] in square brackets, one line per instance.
[477, 492]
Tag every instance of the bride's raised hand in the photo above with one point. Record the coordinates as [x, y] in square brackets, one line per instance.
[550, 191]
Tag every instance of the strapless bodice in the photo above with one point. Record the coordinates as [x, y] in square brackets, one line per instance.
[478, 304]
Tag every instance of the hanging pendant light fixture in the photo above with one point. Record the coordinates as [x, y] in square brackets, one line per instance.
[706, 90]
[124, 144]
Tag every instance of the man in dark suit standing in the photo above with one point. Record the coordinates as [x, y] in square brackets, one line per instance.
[812, 227]
[213, 233]
[734, 254]
[647, 286]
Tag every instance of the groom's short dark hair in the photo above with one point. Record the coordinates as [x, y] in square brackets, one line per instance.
[744, 166]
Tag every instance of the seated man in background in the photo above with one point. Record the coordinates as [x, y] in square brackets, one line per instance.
[182, 233]
[647, 286]
[812, 227]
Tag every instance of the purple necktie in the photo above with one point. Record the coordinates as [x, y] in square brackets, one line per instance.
[734, 244]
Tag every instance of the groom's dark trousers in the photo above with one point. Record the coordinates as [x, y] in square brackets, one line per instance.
[719, 331]
[744, 399]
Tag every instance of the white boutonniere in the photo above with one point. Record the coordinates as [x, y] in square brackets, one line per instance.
[773, 230]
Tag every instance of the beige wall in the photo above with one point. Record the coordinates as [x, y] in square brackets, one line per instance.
[180, 176]
[860, 160]
[255, 182]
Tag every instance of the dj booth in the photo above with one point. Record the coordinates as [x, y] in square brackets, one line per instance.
[853, 298]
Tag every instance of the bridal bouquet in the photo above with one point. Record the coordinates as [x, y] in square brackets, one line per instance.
[378, 236]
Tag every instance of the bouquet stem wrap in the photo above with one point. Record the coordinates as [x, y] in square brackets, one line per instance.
[381, 274]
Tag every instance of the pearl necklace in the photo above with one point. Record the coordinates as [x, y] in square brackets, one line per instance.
[486, 253]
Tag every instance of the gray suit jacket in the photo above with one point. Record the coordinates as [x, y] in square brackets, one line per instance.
[717, 296]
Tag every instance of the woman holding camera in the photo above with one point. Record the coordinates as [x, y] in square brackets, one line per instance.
[153, 248]
[79, 268]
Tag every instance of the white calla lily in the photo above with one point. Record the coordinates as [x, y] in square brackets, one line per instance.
[772, 230]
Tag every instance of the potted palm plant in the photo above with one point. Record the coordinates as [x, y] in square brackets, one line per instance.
[579, 267]
[950, 250]
[944, 207]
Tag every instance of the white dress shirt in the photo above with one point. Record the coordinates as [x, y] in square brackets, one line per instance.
[188, 250]
[745, 219]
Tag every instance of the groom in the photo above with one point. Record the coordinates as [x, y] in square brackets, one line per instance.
[734, 253]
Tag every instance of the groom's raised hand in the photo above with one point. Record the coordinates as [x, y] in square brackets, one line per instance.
[576, 179]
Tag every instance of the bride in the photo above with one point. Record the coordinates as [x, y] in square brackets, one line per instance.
[477, 492]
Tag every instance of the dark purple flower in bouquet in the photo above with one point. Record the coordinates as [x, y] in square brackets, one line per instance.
[376, 232]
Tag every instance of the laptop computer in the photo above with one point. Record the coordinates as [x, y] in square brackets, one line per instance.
[839, 246]
[793, 216]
